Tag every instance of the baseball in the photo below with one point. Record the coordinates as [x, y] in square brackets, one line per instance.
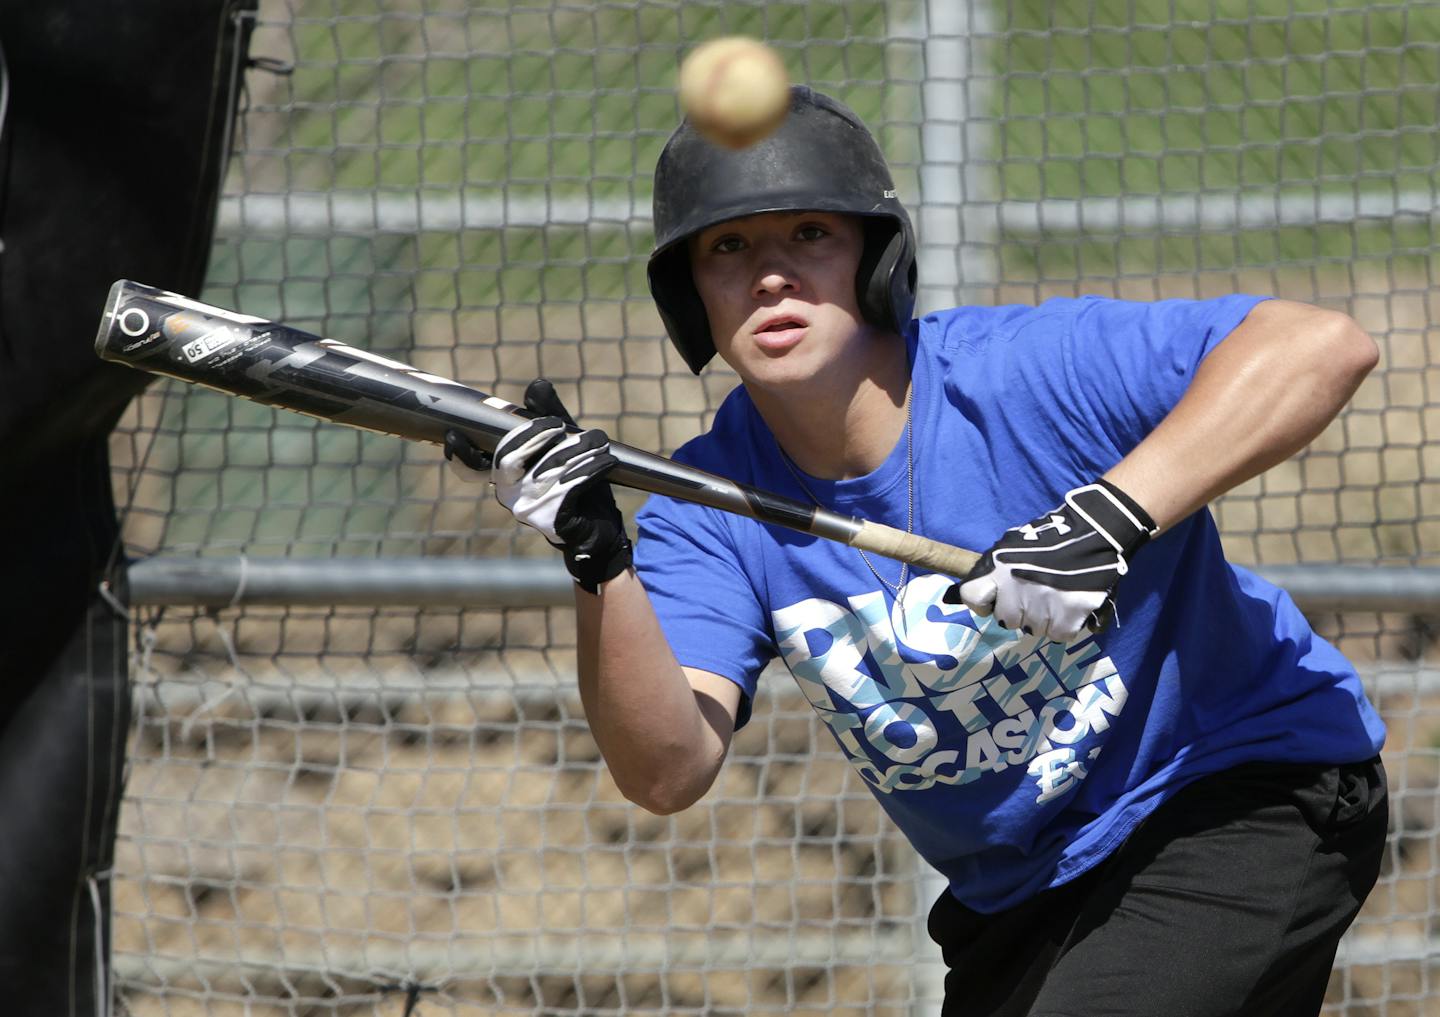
[734, 90]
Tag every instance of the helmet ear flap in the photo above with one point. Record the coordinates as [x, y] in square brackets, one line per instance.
[681, 309]
[885, 279]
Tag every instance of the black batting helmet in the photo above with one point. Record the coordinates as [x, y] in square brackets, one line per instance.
[820, 159]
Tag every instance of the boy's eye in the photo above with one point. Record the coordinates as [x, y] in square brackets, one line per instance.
[810, 231]
[727, 245]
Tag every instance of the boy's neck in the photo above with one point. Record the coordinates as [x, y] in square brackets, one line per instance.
[843, 429]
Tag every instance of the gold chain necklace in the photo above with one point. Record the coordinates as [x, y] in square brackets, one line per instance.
[897, 588]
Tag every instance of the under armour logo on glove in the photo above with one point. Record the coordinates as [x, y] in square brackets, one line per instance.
[1056, 575]
[1056, 523]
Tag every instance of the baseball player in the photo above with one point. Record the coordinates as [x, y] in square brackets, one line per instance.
[1152, 788]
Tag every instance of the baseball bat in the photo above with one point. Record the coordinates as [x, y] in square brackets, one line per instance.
[271, 363]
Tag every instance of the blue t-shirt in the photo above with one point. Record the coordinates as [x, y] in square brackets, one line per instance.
[1012, 763]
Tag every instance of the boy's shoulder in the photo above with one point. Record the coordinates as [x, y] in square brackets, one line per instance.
[975, 324]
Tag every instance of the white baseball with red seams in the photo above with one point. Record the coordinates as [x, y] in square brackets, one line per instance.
[734, 90]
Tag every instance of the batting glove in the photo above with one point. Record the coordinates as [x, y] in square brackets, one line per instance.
[552, 478]
[1056, 575]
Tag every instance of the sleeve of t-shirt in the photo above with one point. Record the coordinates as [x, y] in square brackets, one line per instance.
[686, 557]
[1131, 362]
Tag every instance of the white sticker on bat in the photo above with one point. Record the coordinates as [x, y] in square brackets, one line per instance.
[211, 342]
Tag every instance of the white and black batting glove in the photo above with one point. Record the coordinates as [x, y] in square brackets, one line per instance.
[552, 479]
[1056, 575]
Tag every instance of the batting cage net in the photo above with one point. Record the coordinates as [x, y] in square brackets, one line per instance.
[360, 781]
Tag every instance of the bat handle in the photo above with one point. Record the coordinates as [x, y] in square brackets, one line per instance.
[922, 551]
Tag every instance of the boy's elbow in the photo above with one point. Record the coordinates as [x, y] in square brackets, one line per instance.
[661, 799]
[1349, 350]
[665, 789]
[661, 807]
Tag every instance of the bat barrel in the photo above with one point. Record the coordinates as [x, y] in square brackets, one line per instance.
[270, 363]
[169, 334]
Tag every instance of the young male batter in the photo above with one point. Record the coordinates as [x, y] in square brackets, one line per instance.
[1152, 788]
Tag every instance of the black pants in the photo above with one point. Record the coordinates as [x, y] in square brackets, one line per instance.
[1229, 900]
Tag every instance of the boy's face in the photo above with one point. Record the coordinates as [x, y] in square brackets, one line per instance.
[779, 292]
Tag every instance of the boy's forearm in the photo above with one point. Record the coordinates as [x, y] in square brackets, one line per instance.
[661, 747]
[1263, 394]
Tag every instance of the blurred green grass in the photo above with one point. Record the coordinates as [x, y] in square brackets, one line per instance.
[1090, 99]
[571, 96]
[1112, 98]
[1158, 98]
[1095, 98]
